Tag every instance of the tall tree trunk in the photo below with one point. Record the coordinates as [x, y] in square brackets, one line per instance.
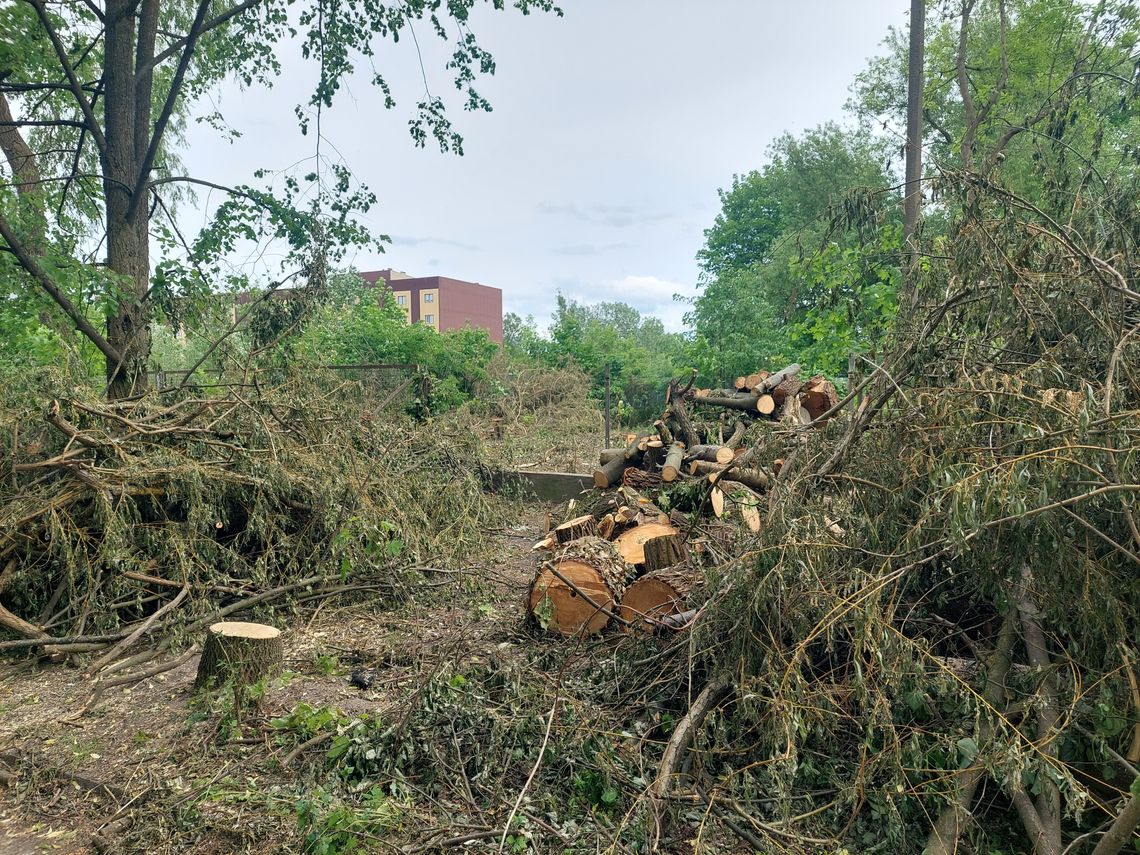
[912, 201]
[128, 247]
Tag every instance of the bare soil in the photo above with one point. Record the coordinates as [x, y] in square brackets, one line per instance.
[75, 772]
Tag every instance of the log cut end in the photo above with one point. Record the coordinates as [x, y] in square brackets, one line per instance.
[576, 593]
[657, 595]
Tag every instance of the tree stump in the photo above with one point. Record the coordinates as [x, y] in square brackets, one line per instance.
[657, 595]
[664, 551]
[243, 652]
[568, 594]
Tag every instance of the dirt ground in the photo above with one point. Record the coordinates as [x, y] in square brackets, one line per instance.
[69, 774]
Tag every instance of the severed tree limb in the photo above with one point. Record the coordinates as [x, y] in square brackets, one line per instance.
[1127, 821]
[685, 733]
[29, 263]
[1047, 832]
[956, 816]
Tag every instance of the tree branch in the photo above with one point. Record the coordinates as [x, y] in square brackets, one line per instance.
[211, 24]
[72, 79]
[1120, 833]
[45, 282]
[139, 193]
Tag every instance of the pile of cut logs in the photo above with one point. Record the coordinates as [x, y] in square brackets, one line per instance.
[631, 563]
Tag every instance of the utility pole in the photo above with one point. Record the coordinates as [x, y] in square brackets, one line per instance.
[912, 200]
[607, 405]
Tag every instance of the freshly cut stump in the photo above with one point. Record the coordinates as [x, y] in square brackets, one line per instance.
[597, 572]
[658, 595]
[582, 526]
[664, 551]
[243, 652]
[631, 543]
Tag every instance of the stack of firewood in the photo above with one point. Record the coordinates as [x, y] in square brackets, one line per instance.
[629, 562]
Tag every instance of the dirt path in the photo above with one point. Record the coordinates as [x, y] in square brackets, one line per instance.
[77, 771]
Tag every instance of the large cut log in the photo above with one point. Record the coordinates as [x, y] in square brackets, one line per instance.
[710, 453]
[753, 478]
[240, 652]
[748, 381]
[576, 592]
[762, 404]
[657, 595]
[817, 396]
[664, 551]
[786, 390]
[582, 526]
[673, 462]
[663, 432]
[631, 543]
[610, 472]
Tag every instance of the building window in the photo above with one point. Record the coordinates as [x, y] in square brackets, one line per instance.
[429, 318]
[429, 298]
[402, 300]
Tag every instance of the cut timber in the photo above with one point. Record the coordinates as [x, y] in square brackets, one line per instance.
[711, 453]
[772, 381]
[639, 479]
[238, 651]
[673, 460]
[588, 569]
[663, 432]
[657, 595]
[664, 551]
[631, 543]
[573, 529]
[753, 478]
[748, 381]
[606, 526]
[788, 389]
[610, 472]
[608, 454]
[749, 506]
[737, 437]
[716, 499]
[817, 396]
[762, 404]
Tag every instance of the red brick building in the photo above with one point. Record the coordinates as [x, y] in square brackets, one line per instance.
[444, 303]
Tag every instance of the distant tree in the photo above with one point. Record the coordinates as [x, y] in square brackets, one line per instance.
[785, 263]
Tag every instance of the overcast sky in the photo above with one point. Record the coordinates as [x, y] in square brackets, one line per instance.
[598, 169]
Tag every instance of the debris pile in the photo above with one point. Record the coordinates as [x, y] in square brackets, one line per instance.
[669, 502]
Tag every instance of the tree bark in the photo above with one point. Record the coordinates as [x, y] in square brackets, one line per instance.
[762, 404]
[710, 453]
[611, 471]
[753, 478]
[128, 239]
[673, 462]
[241, 652]
[1120, 832]
[583, 526]
[664, 551]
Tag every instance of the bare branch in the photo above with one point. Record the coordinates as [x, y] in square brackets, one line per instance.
[76, 87]
[175, 90]
[211, 24]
